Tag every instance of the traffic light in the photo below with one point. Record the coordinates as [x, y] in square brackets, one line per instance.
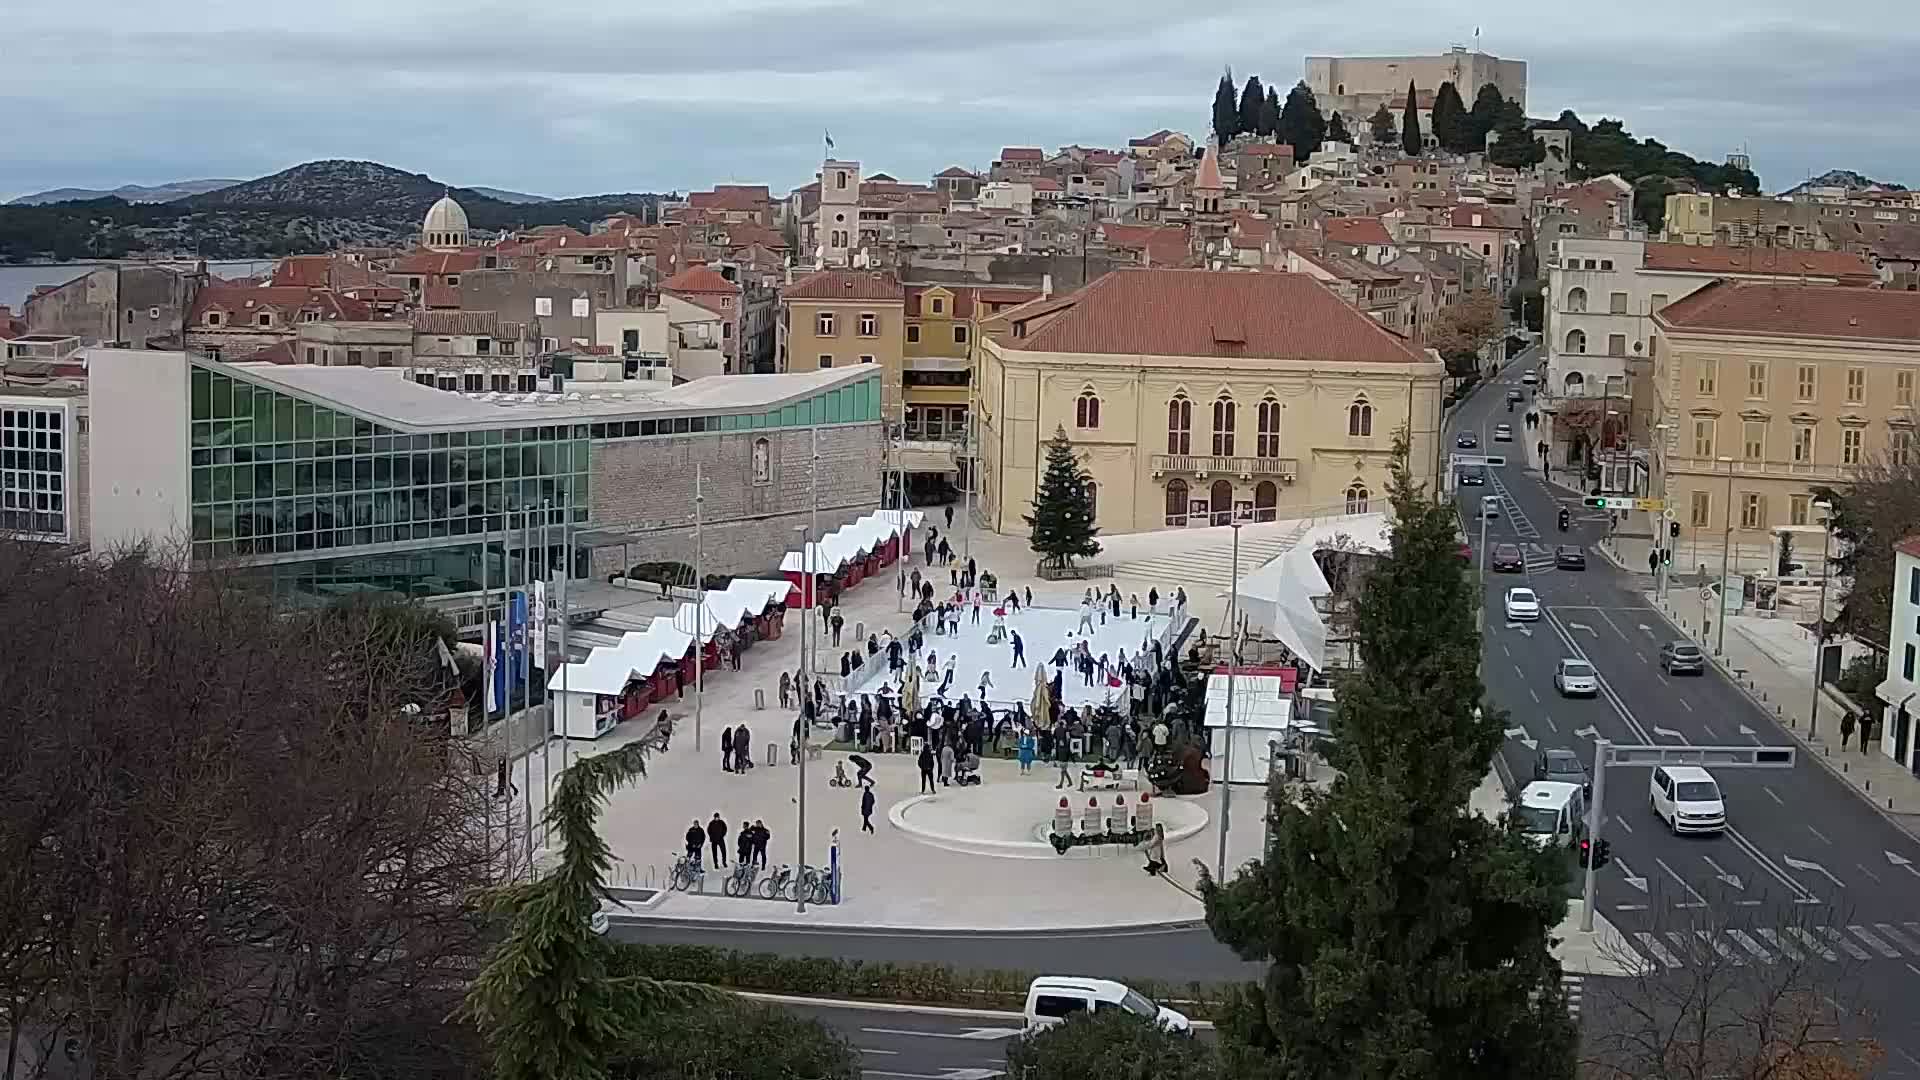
[1595, 502]
[1586, 851]
[1602, 854]
[1673, 529]
[1666, 556]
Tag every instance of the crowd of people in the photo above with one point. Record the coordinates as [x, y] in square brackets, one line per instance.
[707, 846]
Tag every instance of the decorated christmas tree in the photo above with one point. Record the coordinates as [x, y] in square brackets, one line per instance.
[1062, 518]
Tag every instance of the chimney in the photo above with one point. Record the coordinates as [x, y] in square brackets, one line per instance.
[1046, 286]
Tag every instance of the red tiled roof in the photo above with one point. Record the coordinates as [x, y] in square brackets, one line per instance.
[954, 172]
[1356, 230]
[280, 352]
[1139, 311]
[1786, 262]
[436, 263]
[474, 323]
[1042, 183]
[1267, 149]
[965, 297]
[1155, 139]
[700, 278]
[1022, 153]
[240, 301]
[730, 197]
[1166, 245]
[1783, 309]
[1910, 547]
[845, 285]
[441, 296]
[1104, 157]
[1209, 177]
[308, 271]
[1491, 217]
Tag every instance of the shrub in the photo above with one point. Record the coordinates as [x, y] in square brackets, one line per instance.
[740, 1040]
[1109, 1045]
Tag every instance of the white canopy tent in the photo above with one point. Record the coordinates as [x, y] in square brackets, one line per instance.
[852, 541]
[1279, 597]
[1262, 713]
[606, 672]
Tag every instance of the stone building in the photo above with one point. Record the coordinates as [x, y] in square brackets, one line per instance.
[139, 307]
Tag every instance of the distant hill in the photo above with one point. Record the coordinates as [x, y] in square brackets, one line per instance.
[510, 196]
[358, 188]
[1842, 178]
[132, 193]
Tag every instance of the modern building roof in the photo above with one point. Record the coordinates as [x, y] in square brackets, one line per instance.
[1783, 309]
[845, 285]
[1786, 262]
[387, 397]
[1156, 312]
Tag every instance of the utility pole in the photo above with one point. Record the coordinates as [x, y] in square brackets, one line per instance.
[806, 667]
[1226, 753]
[700, 608]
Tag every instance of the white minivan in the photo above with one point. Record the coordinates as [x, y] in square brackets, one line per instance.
[1552, 812]
[1687, 799]
[1053, 998]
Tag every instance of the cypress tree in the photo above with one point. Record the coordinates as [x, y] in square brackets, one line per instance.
[1226, 114]
[1406, 935]
[1337, 130]
[1384, 130]
[1301, 125]
[1062, 519]
[1410, 140]
[1252, 100]
[1270, 113]
[1450, 125]
[1488, 106]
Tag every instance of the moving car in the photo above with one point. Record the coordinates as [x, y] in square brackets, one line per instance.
[1490, 506]
[1522, 605]
[1562, 766]
[1053, 998]
[1552, 812]
[1682, 658]
[1466, 440]
[1576, 678]
[1503, 433]
[1687, 799]
[1530, 379]
[1473, 475]
[1570, 557]
[1515, 396]
[1507, 559]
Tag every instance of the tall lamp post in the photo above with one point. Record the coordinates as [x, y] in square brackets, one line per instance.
[1726, 552]
[1820, 649]
[1663, 531]
[1226, 754]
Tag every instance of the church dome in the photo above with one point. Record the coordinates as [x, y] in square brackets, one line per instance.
[445, 224]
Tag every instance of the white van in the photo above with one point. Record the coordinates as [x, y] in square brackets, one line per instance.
[1053, 998]
[1552, 812]
[1687, 799]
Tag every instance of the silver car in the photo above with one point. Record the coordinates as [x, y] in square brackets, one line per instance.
[1576, 678]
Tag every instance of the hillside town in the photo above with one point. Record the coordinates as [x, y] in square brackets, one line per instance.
[1236, 371]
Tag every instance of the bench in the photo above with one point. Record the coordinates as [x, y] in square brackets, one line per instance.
[1097, 778]
[1078, 572]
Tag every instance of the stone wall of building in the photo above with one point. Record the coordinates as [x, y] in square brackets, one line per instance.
[646, 487]
[142, 306]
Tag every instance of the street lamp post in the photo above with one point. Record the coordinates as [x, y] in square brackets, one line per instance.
[1226, 754]
[1820, 649]
[808, 544]
[1726, 552]
[1663, 531]
[699, 608]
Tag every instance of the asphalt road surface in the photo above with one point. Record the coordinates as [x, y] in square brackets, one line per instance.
[1806, 868]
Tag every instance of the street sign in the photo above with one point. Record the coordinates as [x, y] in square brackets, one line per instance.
[1649, 504]
[1492, 461]
[1609, 502]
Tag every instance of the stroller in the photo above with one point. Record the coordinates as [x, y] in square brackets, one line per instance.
[966, 770]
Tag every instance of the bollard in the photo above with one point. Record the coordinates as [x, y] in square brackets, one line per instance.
[1143, 814]
[773, 755]
[760, 697]
[1843, 767]
[1090, 821]
[1117, 817]
[1063, 818]
[1869, 787]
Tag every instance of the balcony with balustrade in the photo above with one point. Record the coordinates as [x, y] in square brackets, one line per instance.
[1200, 466]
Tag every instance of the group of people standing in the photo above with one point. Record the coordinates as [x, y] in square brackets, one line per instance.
[751, 840]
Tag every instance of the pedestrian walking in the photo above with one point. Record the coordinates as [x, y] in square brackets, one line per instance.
[926, 768]
[503, 785]
[866, 810]
[760, 838]
[914, 581]
[837, 622]
[1153, 599]
[1019, 650]
[717, 835]
[726, 749]
[946, 762]
[1653, 561]
[1846, 729]
[949, 515]
[1866, 732]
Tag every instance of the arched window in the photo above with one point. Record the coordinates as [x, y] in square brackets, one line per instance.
[1180, 425]
[1357, 496]
[1220, 502]
[762, 461]
[1576, 341]
[1576, 299]
[1176, 502]
[1576, 384]
[1086, 410]
[1360, 418]
[1093, 502]
[1224, 414]
[1267, 444]
[1266, 501]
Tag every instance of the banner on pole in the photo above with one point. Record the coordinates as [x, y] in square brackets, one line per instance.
[495, 677]
[517, 637]
[540, 625]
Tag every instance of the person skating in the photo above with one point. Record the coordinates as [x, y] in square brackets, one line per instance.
[1026, 750]
[1086, 616]
[865, 767]
[986, 683]
[1019, 650]
[866, 809]
[926, 768]
[717, 835]
[949, 515]
[696, 841]
[1157, 851]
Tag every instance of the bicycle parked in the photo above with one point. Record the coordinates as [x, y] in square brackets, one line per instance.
[740, 882]
[688, 875]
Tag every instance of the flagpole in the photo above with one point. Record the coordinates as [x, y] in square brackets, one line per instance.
[699, 612]
[517, 657]
[537, 640]
[486, 690]
[566, 658]
[806, 728]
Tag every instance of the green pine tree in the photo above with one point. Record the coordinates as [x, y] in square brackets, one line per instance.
[1381, 122]
[1252, 100]
[1450, 124]
[1301, 125]
[1270, 113]
[1489, 105]
[1226, 110]
[1337, 130]
[1407, 937]
[1410, 140]
[1516, 149]
[1062, 519]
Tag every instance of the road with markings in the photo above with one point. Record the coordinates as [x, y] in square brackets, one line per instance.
[1807, 871]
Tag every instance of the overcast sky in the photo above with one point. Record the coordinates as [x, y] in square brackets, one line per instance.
[571, 98]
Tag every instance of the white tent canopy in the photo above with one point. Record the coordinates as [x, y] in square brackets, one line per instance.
[854, 540]
[1262, 713]
[1279, 597]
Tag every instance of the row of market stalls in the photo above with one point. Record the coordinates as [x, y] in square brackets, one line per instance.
[617, 682]
[849, 555]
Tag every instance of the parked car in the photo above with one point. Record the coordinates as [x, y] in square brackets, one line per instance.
[1570, 557]
[1503, 433]
[1562, 766]
[1053, 998]
[1576, 678]
[1522, 605]
[1507, 559]
[1688, 799]
[1466, 440]
[1682, 658]
[1473, 476]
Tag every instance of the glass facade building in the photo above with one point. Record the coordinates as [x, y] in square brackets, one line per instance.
[324, 501]
[34, 468]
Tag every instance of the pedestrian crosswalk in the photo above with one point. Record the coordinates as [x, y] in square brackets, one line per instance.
[1856, 942]
[1539, 558]
[1574, 985]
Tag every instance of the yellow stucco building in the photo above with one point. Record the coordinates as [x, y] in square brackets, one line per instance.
[837, 318]
[1192, 395]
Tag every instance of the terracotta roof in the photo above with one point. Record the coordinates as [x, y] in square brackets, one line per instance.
[441, 296]
[700, 278]
[1346, 267]
[240, 301]
[1782, 309]
[1491, 216]
[1042, 183]
[954, 172]
[1267, 149]
[729, 197]
[280, 352]
[1166, 245]
[1155, 139]
[845, 285]
[1209, 176]
[1022, 153]
[1104, 157]
[436, 262]
[1787, 262]
[1247, 226]
[1357, 230]
[965, 297]
[1882, 239]
[474, 323]
[1910, 547]
[309, 271]
[1139, 311]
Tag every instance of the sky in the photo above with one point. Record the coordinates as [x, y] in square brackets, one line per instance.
[570, 98]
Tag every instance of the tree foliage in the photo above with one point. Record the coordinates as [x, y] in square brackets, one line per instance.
[232, 846]
[1450, 123]
[735, 1039]
[1880, 508]
[1270, 113]
[1463, 329]
[1407, 937]
[1226, 111]
[1253, 99]
[1608, 147]
[1301, 125]
[1062, 519]
[1410, 136]
[1493, 111]
[1337, 130]
[1111, 1044]
[1516, 148]
[1382, 125]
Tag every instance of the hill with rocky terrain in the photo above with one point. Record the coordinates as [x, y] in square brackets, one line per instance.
[1846, 179]
[133, 193]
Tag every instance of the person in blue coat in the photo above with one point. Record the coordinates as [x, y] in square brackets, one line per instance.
[1026, 750]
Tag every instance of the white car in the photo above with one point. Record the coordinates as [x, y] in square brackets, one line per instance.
[1529, 379]
[1490, 506]
[1503, 433]
[1687, 799]
[1576, 678]
[1053, 998]
[1522, 605]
